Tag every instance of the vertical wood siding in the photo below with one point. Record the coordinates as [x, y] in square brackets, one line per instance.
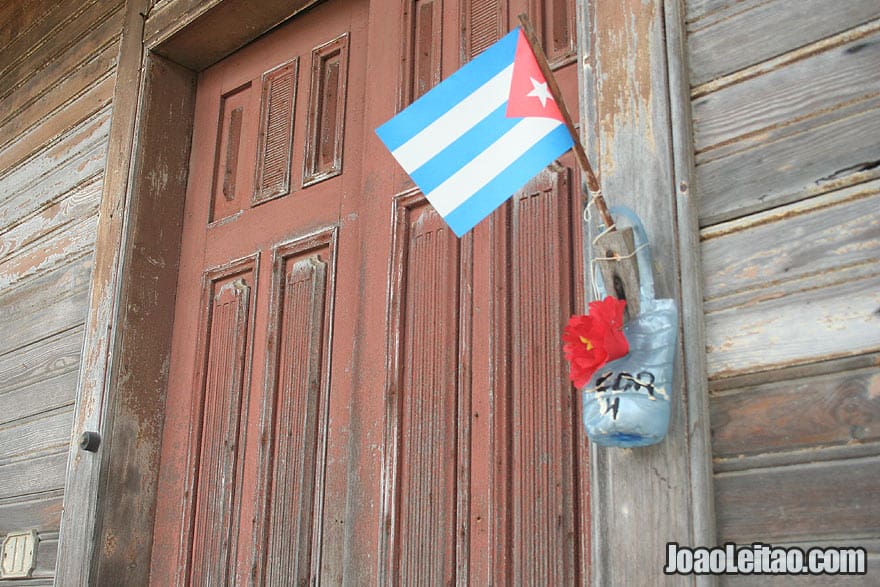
[57, 75]
[786, 107]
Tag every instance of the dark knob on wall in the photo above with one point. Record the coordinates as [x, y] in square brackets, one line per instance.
[90, 441]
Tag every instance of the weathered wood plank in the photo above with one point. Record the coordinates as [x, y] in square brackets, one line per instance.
[29, 194]
[65, 149]
[830, 410]
[819, 83]
[805, 327]
[48, 394]
[854, 363]
[19, 19]
[28, 108]
[812, 157]
[201, 45]
[42, 473]
[43, 360]
[144, 323]
[645, 156]
[16, 18]
[793, 248]
[60, 298]
[43, 433]
[697, 9]
[113, 543]
[816, 454]
[868, 580]
[41, 512]
[45, 255]
[802, 502]
[693, 377]
[79, 203]
[26, 582]
[744, 35]
[77, 541]
[67, 63]
[35, 139]
[47, 553]
[32, 51]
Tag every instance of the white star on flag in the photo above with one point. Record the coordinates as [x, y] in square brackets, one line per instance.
[540, 91]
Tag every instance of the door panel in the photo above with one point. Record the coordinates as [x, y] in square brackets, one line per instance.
[544, 530]
[427, 418]
[253, 387]
[356, 395]
[216, 445]
[295, 417]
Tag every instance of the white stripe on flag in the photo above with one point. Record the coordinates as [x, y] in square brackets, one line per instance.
[490, 163]
[458, 120]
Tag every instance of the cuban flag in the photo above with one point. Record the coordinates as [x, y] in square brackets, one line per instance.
[480, 135]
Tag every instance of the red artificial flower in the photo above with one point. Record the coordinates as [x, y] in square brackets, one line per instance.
[594, 339]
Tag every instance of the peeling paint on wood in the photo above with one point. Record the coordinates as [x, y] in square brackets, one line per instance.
[820, 82]
[836, 410]
[790, 163]
[803, 327]
[800, 502]
[42, 360]
[41, 257]
[827, 240]
[744, 33]
[645, 149]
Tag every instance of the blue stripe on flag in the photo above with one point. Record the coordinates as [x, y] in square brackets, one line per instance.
[493, 194]
[450, 92]
[463, 150]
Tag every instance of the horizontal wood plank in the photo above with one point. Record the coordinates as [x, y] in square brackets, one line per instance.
[37, 48]
[40, 361]
[42, 512]
[27, 582]
[47, 394]
[816, 242]
[868, 580]
[97, 98]
[83, 201]
[803, 502]
[47, 553]
[16, 18]
[64, 65]
[46, 255]
[37, 475]
[697, 9]
[39, 24]
[65, 150]
[815, 156]
[818, 83]
[805, 327]
[26, 109]
[60, 298]
[830, 410]
[748, 33]
[44, 433]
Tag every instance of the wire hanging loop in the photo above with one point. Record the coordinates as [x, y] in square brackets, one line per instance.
[614, 253]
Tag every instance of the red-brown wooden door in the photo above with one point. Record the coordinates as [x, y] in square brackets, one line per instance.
[357, 396]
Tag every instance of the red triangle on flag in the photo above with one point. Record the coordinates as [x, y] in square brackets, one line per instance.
[529, 94]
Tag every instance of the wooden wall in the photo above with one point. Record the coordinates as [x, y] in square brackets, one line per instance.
[786, 110]
[57, 76]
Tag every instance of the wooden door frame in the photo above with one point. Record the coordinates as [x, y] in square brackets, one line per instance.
[637, 94]
[110, 495]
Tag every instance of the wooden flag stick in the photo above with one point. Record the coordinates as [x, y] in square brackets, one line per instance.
[580, 154]
[616, 258]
